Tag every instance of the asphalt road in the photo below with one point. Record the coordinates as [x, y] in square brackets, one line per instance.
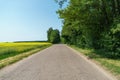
[58, 62]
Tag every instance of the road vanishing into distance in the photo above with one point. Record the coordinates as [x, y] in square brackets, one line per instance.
[57, 62]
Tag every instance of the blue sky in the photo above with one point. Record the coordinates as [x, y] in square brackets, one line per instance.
[23, 20]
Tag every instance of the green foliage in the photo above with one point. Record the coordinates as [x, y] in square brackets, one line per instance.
[49, 33]
[92, 24]
[53, 35]
[60, 2]
[111, 41]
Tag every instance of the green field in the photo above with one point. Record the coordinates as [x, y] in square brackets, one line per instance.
[12, 52]
[112, 65]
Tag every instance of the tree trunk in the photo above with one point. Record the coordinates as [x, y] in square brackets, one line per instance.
[113, 8]
[105, 12]
[118, 6]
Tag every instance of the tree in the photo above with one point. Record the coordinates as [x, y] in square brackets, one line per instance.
[53, 35]
[49, 33]
[60, 2]
[91, 23]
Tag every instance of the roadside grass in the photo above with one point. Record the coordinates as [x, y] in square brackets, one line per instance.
[110, 64]
[12, 52]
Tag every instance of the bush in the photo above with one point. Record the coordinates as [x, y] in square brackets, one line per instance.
[111, 40]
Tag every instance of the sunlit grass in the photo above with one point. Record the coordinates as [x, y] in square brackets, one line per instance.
[112, 65]
[11, 49]
[12, 52]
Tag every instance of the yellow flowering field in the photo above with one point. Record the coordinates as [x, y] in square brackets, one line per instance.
[12, 49]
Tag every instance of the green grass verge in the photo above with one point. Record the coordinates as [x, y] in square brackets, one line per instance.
[112, 65]
[12, 59]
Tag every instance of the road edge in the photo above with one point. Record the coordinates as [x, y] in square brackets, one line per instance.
[13, 66]
[92, 62]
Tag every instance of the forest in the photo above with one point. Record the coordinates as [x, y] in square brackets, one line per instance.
[92, 24]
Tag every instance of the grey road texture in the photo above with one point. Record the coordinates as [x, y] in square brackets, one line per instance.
[57, 62]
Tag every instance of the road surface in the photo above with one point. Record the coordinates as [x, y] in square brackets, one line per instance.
[57, 62]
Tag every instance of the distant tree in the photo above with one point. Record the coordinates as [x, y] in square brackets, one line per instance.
[49, 33]
[53, 35]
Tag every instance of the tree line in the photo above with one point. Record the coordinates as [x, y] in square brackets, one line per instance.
[92, 24]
